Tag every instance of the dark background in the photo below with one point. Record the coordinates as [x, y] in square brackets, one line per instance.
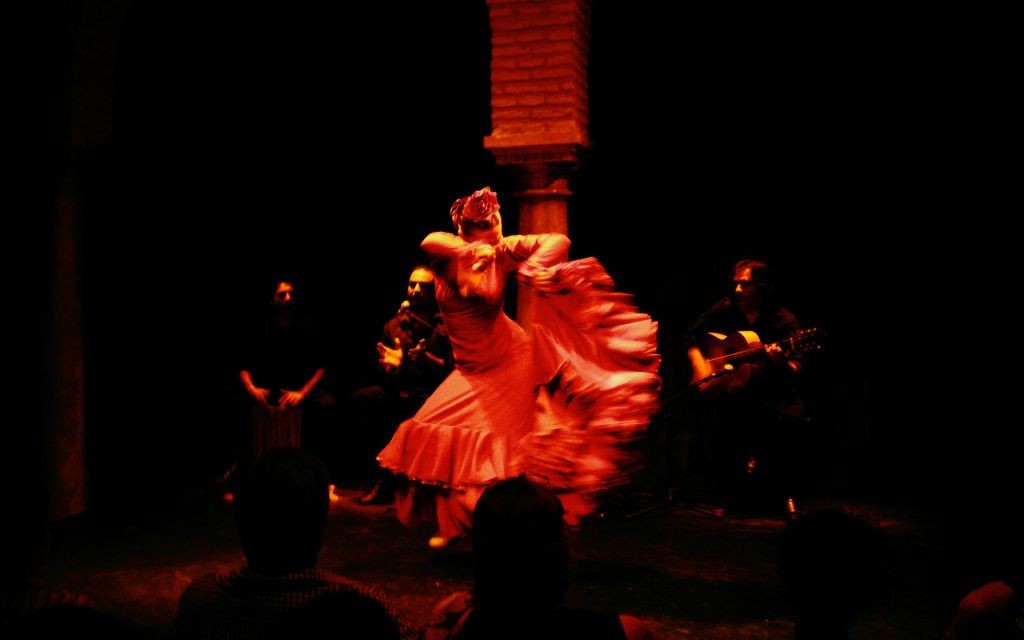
[861, 149]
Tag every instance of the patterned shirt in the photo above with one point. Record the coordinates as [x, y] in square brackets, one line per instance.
[19, 602]
[246, 605]
[453, 618]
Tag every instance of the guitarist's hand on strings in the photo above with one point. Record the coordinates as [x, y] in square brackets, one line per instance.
[705, 377]
[702, 369]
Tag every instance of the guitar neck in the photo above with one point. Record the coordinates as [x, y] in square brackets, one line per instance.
[739, 355]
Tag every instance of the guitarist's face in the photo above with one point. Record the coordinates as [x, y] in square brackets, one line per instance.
[745, 290]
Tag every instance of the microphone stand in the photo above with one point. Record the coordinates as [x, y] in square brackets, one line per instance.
[671, 495]
[404, 310]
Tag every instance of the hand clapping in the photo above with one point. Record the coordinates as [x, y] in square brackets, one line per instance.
[390, 358]
[415, 353]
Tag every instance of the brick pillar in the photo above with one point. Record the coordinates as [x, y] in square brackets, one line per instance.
[539, 106]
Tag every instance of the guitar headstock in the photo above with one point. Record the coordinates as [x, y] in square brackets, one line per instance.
[803, 341]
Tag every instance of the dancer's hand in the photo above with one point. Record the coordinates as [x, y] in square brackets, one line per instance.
[543, 280]
[483, 256]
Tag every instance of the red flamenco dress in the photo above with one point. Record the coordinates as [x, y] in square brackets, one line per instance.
[562, 404]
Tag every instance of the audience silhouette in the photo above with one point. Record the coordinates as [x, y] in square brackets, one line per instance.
[831, 562]
[280, 513]
[994, 609]
[522, 563]
[29, 604]
[337, 614]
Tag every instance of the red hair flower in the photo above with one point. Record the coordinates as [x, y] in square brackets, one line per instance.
[477, 206]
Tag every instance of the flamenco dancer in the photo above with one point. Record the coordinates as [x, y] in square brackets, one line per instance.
[561, 403]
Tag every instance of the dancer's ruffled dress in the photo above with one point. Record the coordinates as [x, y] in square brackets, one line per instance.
[564, 403]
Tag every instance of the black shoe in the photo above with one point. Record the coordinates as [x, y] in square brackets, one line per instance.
[378, 494]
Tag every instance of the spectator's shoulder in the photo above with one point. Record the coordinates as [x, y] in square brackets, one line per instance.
[447, 614]
[407, 630]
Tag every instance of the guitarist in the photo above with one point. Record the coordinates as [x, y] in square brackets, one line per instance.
[749, 412]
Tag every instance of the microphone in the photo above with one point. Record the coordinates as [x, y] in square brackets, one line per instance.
[406, 316]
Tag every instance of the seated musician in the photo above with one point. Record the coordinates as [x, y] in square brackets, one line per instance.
[751, 414]
[414, 357]
[282, 367]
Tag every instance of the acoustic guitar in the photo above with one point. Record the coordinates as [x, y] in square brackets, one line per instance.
[722, 351]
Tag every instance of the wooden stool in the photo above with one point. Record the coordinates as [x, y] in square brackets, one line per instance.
[275, 428]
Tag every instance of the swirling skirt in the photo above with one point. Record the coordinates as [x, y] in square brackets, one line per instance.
[566, 408]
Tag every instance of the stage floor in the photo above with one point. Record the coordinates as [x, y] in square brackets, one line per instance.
[686, 573]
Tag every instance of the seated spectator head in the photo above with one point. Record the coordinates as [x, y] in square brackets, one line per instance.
[520, 547]
[281, 511]
[830, 562]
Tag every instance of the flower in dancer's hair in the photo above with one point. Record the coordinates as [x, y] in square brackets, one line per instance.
[477, 206]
